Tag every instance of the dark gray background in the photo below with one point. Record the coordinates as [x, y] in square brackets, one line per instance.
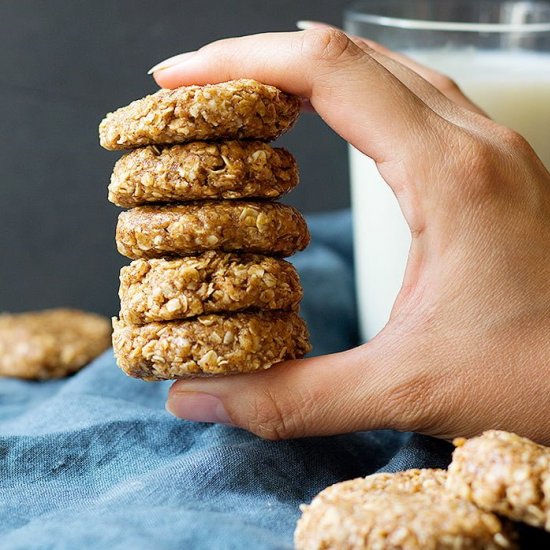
[64, 64]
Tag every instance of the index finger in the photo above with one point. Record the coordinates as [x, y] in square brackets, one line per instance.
[358, 97]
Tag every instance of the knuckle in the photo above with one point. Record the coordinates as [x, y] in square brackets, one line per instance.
[270, 418]
[479, 159]
[478, 169]
[514, 140]
[485, 184]
[489, 160]
[445, 84]
[328, 45]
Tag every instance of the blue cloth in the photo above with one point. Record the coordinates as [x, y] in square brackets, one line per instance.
[94, 461]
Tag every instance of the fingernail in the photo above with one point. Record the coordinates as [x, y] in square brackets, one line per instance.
[304, 25]
[170, 62]
[198, 407]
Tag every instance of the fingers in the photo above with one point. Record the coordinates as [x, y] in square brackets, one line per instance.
[358, 97]
[397, 62]
[339, 393]
[447, 86]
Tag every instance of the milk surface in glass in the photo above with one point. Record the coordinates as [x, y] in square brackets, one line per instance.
[514, 89]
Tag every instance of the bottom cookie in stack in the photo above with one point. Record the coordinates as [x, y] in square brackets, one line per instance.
[209, 344]
[212, 314]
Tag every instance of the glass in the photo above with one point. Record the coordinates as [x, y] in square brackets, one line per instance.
[499, 54]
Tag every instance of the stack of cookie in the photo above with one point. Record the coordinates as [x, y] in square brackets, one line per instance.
[208, 291]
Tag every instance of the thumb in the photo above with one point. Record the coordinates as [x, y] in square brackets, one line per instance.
[361, 389]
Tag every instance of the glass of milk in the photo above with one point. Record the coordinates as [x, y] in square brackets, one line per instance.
[499, 54]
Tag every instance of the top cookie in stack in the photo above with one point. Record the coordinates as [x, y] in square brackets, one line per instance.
[208, 292]
[238, 109]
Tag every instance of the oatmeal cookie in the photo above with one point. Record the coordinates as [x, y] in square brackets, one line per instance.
[201, 170]
[209, 344]
[229, 226]
[51, 343]
[238, 109]
[407, 510]
[503, 473]
[214, 282]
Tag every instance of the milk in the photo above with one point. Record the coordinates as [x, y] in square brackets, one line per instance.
[514, 89]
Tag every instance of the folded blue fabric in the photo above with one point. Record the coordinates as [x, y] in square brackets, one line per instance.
[94, 461]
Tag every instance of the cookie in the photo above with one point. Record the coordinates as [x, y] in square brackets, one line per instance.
[184, 229]
[209, 345]
[408, 511]
[214, 282]
[503, 473]
[238, 109]
[201, 170]
[51, 343]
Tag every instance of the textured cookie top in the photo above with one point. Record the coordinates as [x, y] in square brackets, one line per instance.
[51, 343]
[504, 473]
[238, 109]
[186, 229]
[214, 282]
[407, 482]
[408, 511]
[201, 170]
[209, 344]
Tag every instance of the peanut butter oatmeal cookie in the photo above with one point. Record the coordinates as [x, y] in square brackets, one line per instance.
[185, 229]
[201, 170]
[503, 473]
[238, 109]
[209, 345]
[407, 511]
[51, 343]
[214, 282]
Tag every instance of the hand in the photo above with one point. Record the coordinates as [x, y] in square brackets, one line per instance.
[467, 347]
